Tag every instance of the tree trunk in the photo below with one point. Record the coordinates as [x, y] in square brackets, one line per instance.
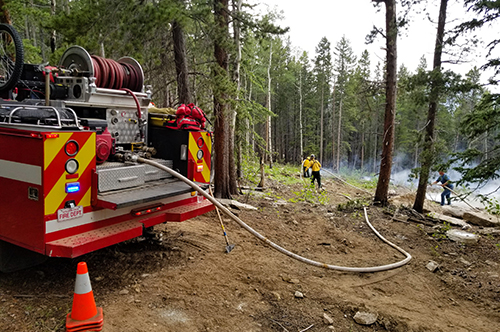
[321, 125]
[233, 186]
[339, 135]
[375, 150]
[180, 59]
[221, 127]
[333, 126]
[53, 34]
[390, 97]
[236, 78]
[428, 153]
[301, 128]
[362, 146]
[5, 18]
[269, 146]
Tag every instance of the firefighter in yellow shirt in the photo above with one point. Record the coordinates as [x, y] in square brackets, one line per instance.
[305, 166]
[315, 166]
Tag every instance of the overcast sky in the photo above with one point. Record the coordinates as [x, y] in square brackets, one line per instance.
[311, 20]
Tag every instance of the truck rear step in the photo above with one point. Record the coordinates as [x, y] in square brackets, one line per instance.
[79, 244]
[189, 211]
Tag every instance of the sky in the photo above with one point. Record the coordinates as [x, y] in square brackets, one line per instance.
[311, 20]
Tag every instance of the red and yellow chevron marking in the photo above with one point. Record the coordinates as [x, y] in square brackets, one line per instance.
[200, 141]
[54, 175]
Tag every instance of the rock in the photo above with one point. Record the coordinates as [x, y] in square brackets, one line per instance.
[276, 296]
[280, 202]
[365, 318]
[481, 219]
[448, 219]
[236, 205]
[290, 280]
[467, 263]
[328, 320]
[462, 236]
[299, 295]
[491, 263]
[432, 266]
[489, 231]
[124, 292]
[453, 211]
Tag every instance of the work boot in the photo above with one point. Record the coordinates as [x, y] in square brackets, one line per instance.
[449, 200]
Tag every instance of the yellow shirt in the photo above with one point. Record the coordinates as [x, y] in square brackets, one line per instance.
[306, 163]
[316, 166]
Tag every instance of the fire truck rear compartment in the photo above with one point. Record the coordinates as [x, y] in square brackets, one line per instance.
[64, 131]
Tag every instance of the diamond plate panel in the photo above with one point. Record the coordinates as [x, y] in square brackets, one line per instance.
[120, 177]
[152, 173]
[123, 125]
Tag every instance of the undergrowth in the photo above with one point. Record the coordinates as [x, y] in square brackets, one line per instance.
[286, 175]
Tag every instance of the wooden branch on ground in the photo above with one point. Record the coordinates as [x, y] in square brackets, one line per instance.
[307, 328]
[349, 198]
[254, 188]
[284, 328]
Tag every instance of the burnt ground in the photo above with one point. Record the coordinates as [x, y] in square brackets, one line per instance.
[183, 280]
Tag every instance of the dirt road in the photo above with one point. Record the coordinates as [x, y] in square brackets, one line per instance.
[185, 281]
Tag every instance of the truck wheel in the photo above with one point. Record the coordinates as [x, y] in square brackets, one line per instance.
[11, 57]
[14, 258]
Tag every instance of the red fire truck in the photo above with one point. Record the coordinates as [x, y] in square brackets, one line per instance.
[65, 187]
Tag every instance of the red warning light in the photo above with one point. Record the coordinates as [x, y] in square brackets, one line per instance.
[71, 148]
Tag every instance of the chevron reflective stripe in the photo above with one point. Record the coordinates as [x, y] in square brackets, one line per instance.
[55, 175]
[200, 141]
[82, 284]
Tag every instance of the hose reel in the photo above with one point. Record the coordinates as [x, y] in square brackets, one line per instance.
[126, 73]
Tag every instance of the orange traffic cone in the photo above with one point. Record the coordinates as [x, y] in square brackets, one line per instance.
[84, 315]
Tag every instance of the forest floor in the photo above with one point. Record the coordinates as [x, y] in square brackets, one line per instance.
[185, 281]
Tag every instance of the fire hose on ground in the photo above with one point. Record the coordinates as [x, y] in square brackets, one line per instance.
[273, 245]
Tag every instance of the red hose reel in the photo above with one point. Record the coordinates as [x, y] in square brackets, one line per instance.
[115, 75]
[126, 73]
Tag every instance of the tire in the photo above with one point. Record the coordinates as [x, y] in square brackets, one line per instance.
[15, 258]
[11, 57]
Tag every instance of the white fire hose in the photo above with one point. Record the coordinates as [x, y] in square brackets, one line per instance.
[273, 245]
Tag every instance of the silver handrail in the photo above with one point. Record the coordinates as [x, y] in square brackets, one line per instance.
[59, 125]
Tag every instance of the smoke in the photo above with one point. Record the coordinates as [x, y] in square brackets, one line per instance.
[402, 176]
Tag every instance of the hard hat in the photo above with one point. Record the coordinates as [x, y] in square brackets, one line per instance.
[312, 156]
